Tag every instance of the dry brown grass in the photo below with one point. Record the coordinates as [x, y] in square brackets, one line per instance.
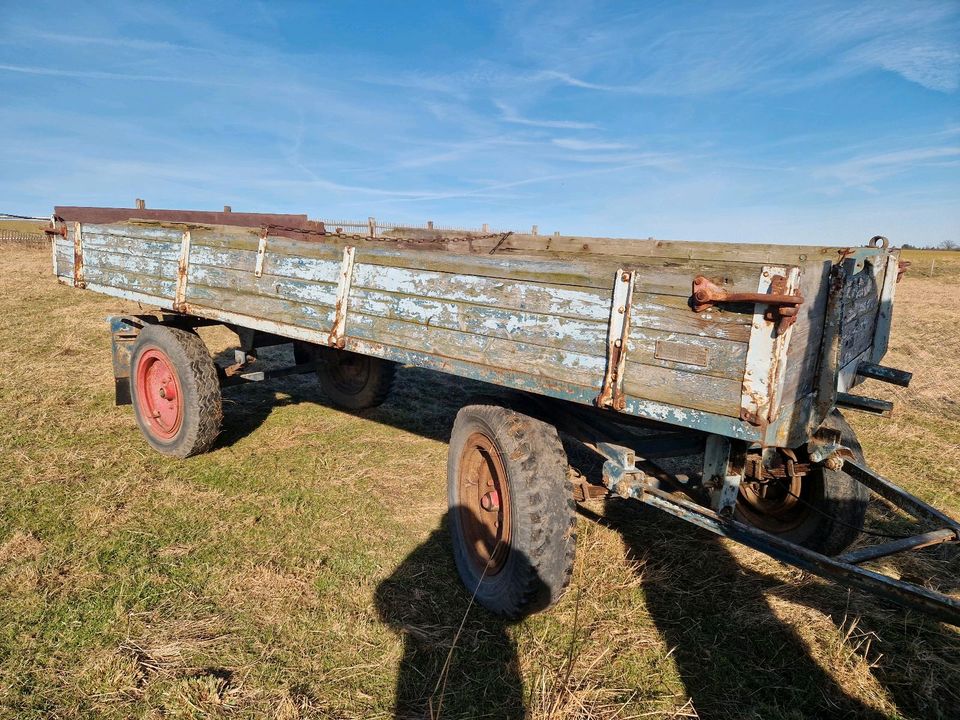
[302, 569]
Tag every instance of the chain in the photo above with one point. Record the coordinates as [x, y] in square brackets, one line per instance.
[357, 237]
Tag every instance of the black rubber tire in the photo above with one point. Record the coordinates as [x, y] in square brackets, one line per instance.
[368, 385]
[200, 386]
[539, 562]
[837, 503]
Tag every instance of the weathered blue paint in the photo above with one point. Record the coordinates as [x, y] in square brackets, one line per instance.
[537, 324]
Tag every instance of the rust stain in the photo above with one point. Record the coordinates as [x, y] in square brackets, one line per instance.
[78, 256]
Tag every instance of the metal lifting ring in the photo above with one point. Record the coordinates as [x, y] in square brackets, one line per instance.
[875, 238]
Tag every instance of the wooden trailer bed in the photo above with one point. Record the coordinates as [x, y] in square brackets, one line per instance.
[536, 313]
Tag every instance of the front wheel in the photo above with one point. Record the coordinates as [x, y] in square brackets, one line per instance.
[175, 391]
[511, 509]
[822, 510]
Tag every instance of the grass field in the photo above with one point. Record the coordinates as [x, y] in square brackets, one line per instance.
[302, 568]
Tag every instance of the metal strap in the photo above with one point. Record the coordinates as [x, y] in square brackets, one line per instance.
[611, 392]
[261, 251]
[337, 337]
[78, 256]
[183, 266]
[766, 353]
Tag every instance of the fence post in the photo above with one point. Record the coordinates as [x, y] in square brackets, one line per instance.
[141, 204]
[430, 224]
[372, 225]
[486, 228]
[534, 231]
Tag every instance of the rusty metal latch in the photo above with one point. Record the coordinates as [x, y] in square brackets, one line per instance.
[611, 392]
[783, 307]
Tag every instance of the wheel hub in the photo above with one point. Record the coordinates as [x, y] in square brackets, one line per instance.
[158, 392]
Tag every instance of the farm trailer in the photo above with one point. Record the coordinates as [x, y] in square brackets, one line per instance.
[636, 350]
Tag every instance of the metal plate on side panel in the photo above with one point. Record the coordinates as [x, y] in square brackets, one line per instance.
[679, 352]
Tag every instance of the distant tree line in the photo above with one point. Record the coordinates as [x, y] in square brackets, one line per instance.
[945, 245]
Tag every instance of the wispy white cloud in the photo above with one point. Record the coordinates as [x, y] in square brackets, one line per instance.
[114, 42]
[588, 145]
[105, 75]
[510, 115]
[935, 66]
[865, 170]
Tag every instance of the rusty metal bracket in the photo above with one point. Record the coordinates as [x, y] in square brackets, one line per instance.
[183, 267]
[78, 256]
[783, 307]
[261, 252]
[336, 338]
[611, 392]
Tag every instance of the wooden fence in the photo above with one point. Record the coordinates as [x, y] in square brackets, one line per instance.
[18, 237]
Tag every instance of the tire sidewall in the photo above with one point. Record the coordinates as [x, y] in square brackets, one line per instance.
[540, 558]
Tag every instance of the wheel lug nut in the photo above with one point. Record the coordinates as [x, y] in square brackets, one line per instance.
[490, 501]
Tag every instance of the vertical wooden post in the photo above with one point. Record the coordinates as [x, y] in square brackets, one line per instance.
[141, 204]
[534, 231]
[372, 225]
[430, 224]
[486, 228]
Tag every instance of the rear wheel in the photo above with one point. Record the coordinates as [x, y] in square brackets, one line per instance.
[511, 509]
[175, 391]
[822, 510]
[350, 380]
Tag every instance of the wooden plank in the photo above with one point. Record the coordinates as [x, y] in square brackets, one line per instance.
[668, 385]
[656, 276]
[130, 281]
[803, 352]
[679, 249]
[137, 232]
[269, 286]
[713, 357]
[857, 336]
[150, 247]
[121, 262]
[314, 317]
[657, 312]
[724, 358]
[577, 368]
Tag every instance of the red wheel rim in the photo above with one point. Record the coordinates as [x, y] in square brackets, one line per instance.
[484, 505]
[159, 399]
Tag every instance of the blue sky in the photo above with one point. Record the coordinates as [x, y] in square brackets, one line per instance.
[780, 122]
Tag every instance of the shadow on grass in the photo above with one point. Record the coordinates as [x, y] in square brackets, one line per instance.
[735, 656]
[423, 402]
[425, 604]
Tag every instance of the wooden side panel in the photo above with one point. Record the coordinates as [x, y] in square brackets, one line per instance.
[804, 350]
[546, 318]
[132, 259]
[64, 255]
